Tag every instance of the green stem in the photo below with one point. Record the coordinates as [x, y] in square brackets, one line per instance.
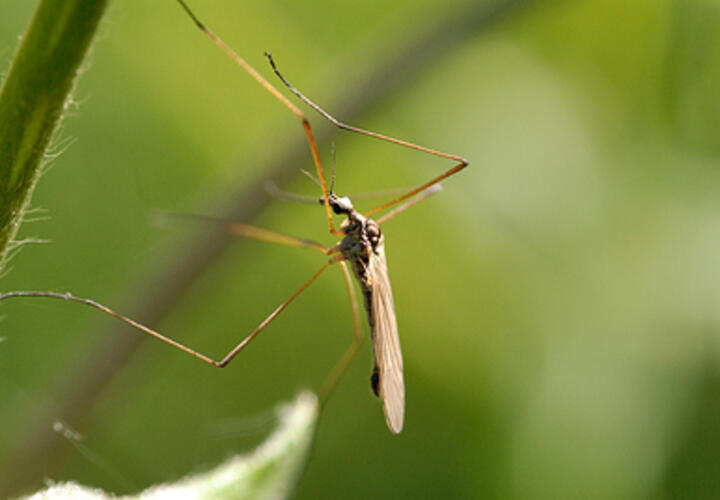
[32, 99]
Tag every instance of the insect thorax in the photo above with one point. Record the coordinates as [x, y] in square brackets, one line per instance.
[362, 239]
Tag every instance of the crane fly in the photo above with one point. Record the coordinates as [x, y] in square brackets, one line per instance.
[361, 245]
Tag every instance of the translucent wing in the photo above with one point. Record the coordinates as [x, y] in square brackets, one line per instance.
[388, 375]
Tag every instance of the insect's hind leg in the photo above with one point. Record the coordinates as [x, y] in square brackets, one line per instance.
[348, 356]
[154, 333]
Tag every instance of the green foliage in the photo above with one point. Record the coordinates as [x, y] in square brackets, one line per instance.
[33, 98]
[271, 471]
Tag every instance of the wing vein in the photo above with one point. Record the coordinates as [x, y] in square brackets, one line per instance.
[386, 344]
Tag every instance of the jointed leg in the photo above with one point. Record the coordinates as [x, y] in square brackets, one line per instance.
[346, 359]
[462, 162]
[428, 192]
[270, 88]
[224, 361]
[272, 316]
[252, 232]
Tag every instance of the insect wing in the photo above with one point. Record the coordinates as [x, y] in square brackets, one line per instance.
[386, 344]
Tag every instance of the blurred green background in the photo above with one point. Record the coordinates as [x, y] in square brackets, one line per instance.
[558, 303]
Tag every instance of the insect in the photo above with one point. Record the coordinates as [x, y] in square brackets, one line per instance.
[361, 245]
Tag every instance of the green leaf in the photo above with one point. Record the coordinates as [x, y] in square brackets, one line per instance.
[271, 471]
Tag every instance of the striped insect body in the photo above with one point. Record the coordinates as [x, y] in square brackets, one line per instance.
[364, 247]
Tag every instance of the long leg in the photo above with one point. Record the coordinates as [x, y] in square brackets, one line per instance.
[346, 359]
[462, 162]
[270, 88]
[392, 213]
[224, 361]
[252, 232]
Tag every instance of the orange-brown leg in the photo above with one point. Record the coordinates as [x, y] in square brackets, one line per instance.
[276, 93]
[223, 362]
[247, 231]
[428, 192]
[461, 162]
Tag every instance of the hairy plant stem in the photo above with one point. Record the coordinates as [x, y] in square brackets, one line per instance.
[32, 100]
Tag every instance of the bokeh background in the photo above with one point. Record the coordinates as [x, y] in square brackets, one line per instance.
[558, 303]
